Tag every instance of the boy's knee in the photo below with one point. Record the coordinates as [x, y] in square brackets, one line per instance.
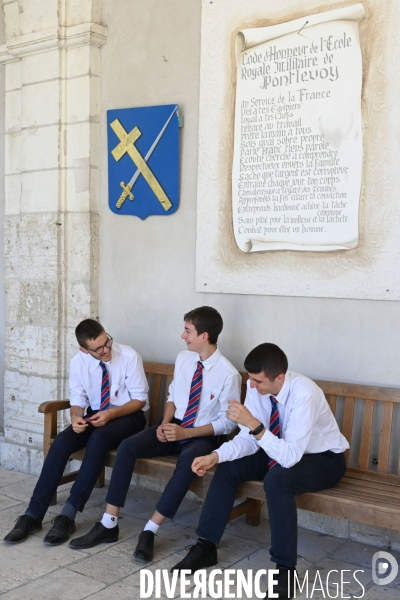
[275, 480]
[227, 471]
[127, 449]
[96, 441]
[61, 444]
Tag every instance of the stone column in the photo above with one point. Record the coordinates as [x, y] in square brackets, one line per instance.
[52, 61]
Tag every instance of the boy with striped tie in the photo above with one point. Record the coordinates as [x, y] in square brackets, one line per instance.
[108, 381]
[289, 438]
[195, 414]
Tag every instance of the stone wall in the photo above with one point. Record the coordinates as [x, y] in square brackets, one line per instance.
[2, 308]
[52, 64]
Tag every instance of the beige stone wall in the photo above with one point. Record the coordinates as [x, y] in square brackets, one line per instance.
[52, 63]
[2, 310]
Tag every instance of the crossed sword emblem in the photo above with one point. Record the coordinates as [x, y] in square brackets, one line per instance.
[127, 145]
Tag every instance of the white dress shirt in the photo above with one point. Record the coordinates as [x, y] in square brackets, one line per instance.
[306, 421]
[221, 382]
[126, 375]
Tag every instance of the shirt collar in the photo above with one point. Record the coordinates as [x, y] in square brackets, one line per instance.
[211, 360]
[95, 362]
[284, 393]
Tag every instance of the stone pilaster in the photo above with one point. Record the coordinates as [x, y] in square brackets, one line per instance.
[51, 194]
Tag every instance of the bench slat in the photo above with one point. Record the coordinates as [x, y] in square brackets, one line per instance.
[367, 392]
[389, 518]
[372, 485]
[158, 368]
[256, 490]
[368, 494]
[386, 430]
[348, 415]
[366, 434]
[332, 399]
[155, 394]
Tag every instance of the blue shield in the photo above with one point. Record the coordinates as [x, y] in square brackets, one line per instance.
[143, 160]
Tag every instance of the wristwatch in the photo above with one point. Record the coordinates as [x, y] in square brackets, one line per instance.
[257, 430]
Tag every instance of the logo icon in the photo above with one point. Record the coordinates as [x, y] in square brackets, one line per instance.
[143, 160]
[384, 568]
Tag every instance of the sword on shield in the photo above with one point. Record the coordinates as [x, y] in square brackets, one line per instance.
[128, 187]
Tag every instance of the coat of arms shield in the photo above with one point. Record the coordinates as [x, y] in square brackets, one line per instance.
[143, 160]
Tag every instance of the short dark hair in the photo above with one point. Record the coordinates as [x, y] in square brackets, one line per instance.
[268, 358]
[206, 319]
[89, 329]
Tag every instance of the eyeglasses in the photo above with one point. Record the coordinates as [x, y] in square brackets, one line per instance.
[101, 349]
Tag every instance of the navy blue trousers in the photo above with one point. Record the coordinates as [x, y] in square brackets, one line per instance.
[313, 472]
[146, 444]
[97, 441]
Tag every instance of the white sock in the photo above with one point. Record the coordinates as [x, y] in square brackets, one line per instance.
[109, 521]
[151, 526]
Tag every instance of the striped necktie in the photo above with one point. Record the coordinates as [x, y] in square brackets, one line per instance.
[274, 427]
[105, 388]
[194, 397]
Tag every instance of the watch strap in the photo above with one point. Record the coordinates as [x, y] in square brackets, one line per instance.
[257, 430]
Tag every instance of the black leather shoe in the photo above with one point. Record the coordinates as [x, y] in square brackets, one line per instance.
[97, 535]
[145, 546]
[196, 559]
[24, 526]
[62, 528]
[285, 584]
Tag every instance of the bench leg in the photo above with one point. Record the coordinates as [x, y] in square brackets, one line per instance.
[101, 480]
[249, 507]
[54, 500]
[253, 513]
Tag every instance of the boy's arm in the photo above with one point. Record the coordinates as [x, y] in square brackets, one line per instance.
[77, 421]
[78, 398]
[231, 391]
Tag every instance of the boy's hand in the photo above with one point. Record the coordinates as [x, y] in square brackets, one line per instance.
[174, 432]
[201, 464]
[101, 418]
[160, 433]
[240, 414]
[78, 424]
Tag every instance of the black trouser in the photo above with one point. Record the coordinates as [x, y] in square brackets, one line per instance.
[98, 441]
[313, 472]
[146, 444]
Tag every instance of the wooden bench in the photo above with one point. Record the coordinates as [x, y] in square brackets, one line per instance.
[369, 492]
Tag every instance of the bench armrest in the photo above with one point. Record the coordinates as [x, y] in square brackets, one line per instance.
[53, 406]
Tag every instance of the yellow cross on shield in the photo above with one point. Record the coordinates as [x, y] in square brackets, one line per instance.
[127, 145]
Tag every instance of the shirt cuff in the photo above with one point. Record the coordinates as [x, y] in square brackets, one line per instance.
[76, 402]
[218, 427]
[222, 456]
[268, 443]
[134, 395]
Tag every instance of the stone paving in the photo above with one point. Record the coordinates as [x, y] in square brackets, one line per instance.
[33, 571]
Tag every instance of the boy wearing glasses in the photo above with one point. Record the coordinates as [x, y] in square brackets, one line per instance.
[108, 381]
